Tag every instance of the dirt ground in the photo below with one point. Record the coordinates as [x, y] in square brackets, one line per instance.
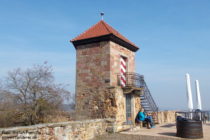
[166, 130]
[160, 132]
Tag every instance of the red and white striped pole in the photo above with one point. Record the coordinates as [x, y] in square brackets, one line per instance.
[123, 71]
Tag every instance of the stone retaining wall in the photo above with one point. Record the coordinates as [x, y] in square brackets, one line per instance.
[166, 117]
[77, 130]
[74, 130]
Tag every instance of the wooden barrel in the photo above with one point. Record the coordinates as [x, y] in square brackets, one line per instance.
[189, 129]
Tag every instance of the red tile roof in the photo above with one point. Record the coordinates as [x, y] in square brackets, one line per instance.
[100, 29]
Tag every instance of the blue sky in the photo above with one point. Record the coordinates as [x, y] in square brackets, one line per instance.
[174, 37]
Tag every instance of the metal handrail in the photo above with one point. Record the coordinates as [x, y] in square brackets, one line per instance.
[136, 80]
[149, 98]
[132, 80]
[194, 115]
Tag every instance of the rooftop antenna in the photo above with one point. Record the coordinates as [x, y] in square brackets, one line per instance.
[102, 15]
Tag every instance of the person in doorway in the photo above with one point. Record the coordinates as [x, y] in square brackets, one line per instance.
[142, 117]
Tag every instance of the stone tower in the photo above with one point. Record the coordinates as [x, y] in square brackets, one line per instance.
[106, 82]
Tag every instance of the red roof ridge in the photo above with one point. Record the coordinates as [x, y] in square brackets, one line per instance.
[106, 26]
[77, 37]
[100, 29]
[116, 33]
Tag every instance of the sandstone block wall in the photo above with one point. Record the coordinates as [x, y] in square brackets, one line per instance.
[92, 76]
[137, 103]
[121, 108]
[166, 117]
[116, 51]
[77, 130]
[98, 94]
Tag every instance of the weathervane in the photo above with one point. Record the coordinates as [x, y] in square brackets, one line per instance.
[102, 15]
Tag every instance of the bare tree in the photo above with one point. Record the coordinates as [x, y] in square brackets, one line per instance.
[34, 93]
[7, 108]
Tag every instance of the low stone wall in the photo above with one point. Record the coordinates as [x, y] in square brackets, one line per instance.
[166, 117]
[76, 130]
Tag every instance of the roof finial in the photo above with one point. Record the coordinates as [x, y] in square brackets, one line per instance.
[102, 15]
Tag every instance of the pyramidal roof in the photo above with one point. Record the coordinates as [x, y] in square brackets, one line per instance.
[102, 31]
